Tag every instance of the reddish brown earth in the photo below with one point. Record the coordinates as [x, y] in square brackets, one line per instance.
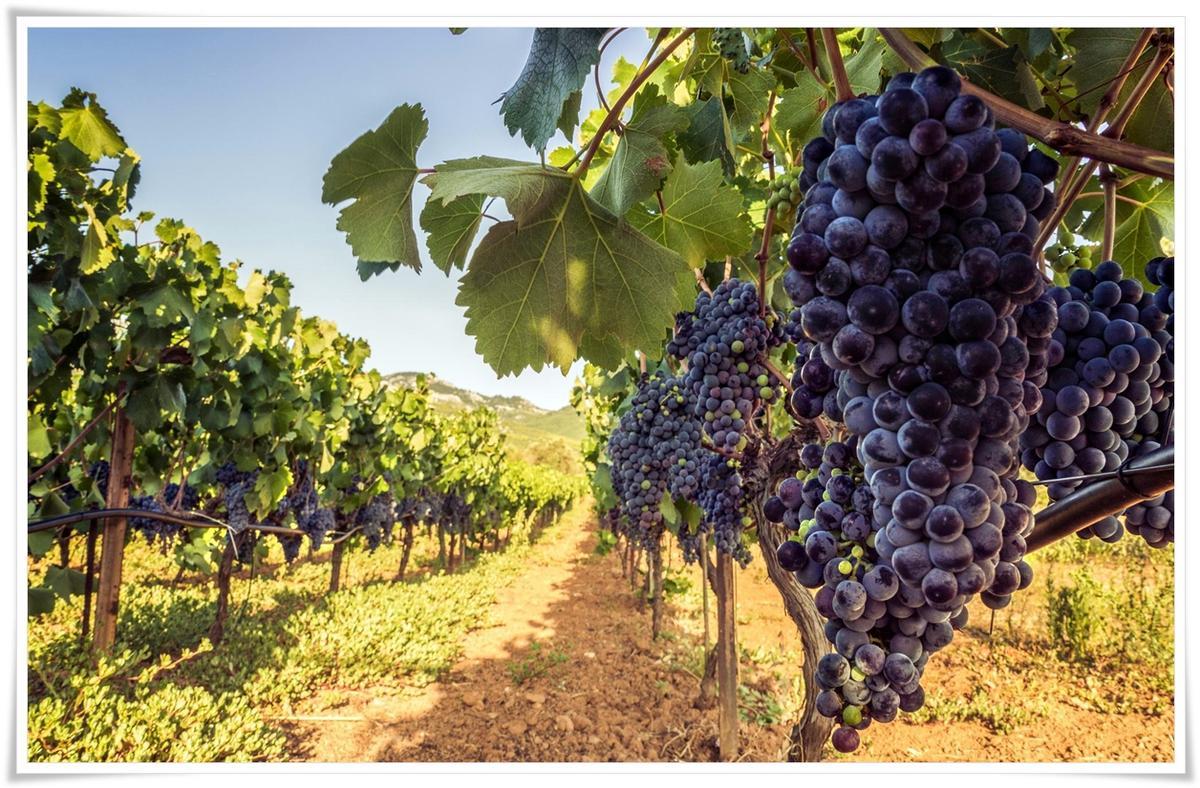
[596, 688]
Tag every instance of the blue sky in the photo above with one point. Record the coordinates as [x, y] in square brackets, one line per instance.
[236, 128]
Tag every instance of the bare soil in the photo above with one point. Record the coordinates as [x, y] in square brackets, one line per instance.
[565, 670]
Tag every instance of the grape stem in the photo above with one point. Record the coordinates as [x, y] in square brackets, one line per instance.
[1061, 136]
[596, 70]
[774, 370]
[1110, 212]
[614, 114]
[833, 51]
[701, 281]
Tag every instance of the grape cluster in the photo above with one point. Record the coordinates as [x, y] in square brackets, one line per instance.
[244, 544]
[316, 524]
[731, 43]
[153, 529]
[785, 192]
[377, 519]
[723, 503]
[725, 342]
[914, 278]
[1069, 252]
[235, 484]
[291, 546]
[882, 629]
[1108, 387]
[654, 451]
[160, 531]
[98, 473]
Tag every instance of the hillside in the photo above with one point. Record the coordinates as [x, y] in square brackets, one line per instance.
[534, 434]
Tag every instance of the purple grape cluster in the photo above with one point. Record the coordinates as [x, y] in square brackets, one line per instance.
[725, 342]
[913, 275]
[724, 506]
[655, 451]
[1107, 389]
[883, 629]
[377, 519]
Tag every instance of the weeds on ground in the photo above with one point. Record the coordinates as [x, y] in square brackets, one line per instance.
[535, 664]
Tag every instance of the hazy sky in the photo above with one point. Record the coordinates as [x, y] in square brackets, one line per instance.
[236, 128]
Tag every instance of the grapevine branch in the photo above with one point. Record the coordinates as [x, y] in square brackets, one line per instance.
[1060, 136]
[1110, 212]
[74, 444]
[834, 53]
[1071, 191]
[634, 84]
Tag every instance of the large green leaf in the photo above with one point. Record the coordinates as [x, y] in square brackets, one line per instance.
[563, 269]
[864, 66]
[1100, 53]
[708, 136]
[88, 128]
[703, 217]
[751, 94]
[1144, 219]
[640, 161]
[799, 110]
[559, 60]
[450, 229]
[377, 172]
[986, 65]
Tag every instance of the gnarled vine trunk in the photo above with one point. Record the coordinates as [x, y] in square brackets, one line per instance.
[810, 733]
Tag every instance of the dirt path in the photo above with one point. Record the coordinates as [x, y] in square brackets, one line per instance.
[565, 670]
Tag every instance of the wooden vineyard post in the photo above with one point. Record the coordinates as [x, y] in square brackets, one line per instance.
[727, 665]
[89, 577]
[335, 576]
[224, 574]
[656, 592]
[112, 556]
[704, 589]
[408, 545]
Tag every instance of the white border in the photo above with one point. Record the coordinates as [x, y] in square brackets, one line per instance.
[22, 766]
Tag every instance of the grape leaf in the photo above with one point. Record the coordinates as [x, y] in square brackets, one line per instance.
[377, 172]
[863, 67]
[568, 119]
[559, 60]
[986, 65]
[640, 161]
[751, 94]
[708, 136]
[563, 270]
[88, 128]
[41, 601]
[1141, 224]
[703, 217]
[450, 229]
[1099, 54]
[1153, 125]
[799, 110]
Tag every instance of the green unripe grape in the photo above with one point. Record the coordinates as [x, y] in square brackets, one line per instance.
[737, 346]
[1069, 259]
[857, 674]
[766, 392]
[645, 484]
[856, 551]
[743, 367]
[773, 201]
[763, 380]
[682, 462]
[709, 416]
[871, 541]
[825, 496]
[747, 521]
[741, 444]
[851, 715]
[845, 567]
